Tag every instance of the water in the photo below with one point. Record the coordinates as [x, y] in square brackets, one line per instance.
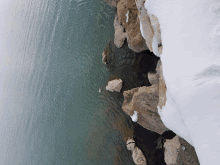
[51, 69]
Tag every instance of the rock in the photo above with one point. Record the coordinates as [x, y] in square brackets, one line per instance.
[120, 35]
[105, 54]
[156, 28]
[138, 157]
[131, 144]
[171, 150]
[160, 49]
[144, 100]
[153, 78]
[114, 85]
[104, 57]
[178, 152]
[137, 154]
[149, 26]
[162, 86]
[112, 2]
[128, 18]
[145, 25]
[187, 156]
[131, 67]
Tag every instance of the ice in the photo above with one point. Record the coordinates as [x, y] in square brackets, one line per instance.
[155, 46]
[127, 16]
[134, 117]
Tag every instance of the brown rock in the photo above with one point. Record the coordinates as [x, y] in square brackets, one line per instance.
[104, 57]
[137, 154]
[106, 54]
[162, 86]
[114, 85]
[128, 17]
[144, 100]
[153, 78]
[160, 49]
[156, 28]
[171, 150]
[188, 155]
[120, 35]
[178, 152]
[147, 29]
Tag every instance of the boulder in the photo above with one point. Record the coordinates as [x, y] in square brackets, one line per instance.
[178, 151]
[153, 78]
[114, 85]
[162, 85]
[171, 150]
[144, 100]
[128, 18]
[137, 154]
[120, 35]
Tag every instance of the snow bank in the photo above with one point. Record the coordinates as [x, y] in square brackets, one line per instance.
[190, 31]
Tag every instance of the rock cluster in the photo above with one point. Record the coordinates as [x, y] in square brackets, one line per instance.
[127, 25]
[145, 100]
[141, 30]
[138, 31]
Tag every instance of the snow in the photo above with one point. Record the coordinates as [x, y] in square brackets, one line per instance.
[155, 46]
[190, 32]
[134, 117]
[127, 16]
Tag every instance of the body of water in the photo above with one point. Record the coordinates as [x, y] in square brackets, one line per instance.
[51, 69]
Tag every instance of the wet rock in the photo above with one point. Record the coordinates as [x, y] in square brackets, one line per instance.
[120, 35]
[131, 67]
[137, 154]
[128, 18]
[146, 141]
[144, 100]
[114, 85]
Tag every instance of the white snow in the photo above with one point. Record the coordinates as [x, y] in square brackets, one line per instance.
[155, 46]
[141, 29]
[190, 32]
[127, 16]
[134, 117]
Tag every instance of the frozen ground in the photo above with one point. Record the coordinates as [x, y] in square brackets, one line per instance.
[190, 32]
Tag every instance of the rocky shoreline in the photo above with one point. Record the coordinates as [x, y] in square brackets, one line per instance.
[136, 71]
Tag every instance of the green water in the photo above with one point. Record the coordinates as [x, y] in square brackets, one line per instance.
[51, 70]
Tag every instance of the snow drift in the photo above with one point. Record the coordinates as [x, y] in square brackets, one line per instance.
[190, 31]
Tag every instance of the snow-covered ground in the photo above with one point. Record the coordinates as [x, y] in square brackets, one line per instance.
[190, 32]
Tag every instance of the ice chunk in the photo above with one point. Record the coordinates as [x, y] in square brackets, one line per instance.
[134, 117]
[127, 16]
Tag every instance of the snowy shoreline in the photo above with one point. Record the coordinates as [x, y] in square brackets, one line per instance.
[191, 67]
